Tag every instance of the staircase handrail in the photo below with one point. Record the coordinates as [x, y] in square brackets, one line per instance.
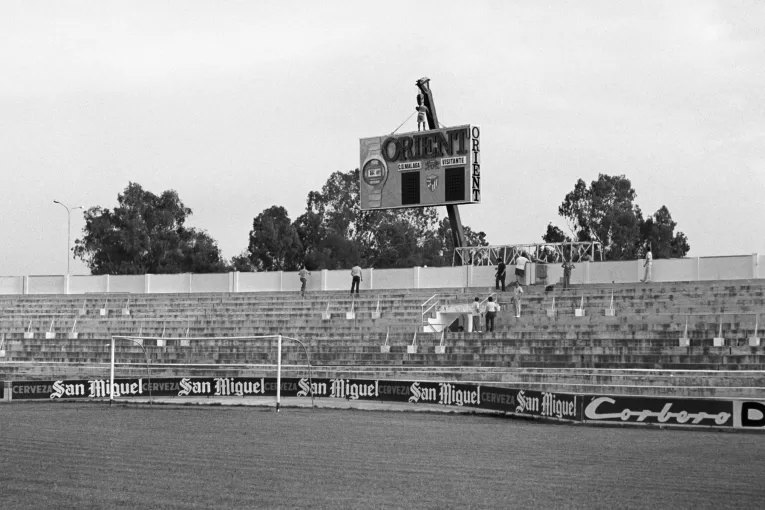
[481, 304]
[424, 310]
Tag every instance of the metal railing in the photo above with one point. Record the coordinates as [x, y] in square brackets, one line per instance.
[431, 303]
[539, 252]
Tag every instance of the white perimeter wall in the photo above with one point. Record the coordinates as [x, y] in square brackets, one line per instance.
[441, 277]
[725, 268]
[88, 284]
[394, 278]
[129, 283]
[11, 285]
[741, 267]
[260, 282]
[46, 285]
[218, 282]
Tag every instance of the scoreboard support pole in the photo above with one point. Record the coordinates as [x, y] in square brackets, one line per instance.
[458, 236]
[458, 233]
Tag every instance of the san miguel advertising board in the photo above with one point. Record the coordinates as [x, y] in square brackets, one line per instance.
[609, 409]
[423, 168]
[522, 402]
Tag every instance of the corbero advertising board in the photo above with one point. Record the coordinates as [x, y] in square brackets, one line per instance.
[658, 410]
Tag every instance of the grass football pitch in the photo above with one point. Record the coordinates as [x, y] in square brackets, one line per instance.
[85, 455]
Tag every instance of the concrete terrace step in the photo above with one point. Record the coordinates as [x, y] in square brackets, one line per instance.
[668, 338]
[574, 357]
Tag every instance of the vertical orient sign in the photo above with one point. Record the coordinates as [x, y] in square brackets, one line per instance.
[421, 169]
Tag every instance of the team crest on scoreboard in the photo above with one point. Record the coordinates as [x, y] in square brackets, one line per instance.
[431, 181]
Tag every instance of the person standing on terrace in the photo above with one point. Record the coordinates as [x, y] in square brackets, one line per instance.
[517, 294]
[647, 265]
[491, 312]
[476, 309]
[500, 276]
[356, 278]
[303, 274]
[567, 267]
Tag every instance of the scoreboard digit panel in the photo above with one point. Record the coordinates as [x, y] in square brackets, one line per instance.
[421, 169]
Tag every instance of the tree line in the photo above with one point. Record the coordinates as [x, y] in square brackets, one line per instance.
[147, 233]
[606, 212]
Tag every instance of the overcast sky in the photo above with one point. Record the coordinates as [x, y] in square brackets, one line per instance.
[243, 105]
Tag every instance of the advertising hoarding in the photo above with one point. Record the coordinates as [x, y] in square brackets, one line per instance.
[421, 169]
[749, 414]
[510, 400]
[658, 410]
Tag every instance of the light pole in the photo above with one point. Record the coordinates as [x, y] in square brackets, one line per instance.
[68, 228]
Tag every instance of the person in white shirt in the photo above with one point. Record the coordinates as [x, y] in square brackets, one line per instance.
[517, 294]
[476, 309]
[355, 278]
[520, 268]
[647, 266]
[491, 311]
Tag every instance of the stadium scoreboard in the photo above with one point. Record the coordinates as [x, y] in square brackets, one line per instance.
[421, 169]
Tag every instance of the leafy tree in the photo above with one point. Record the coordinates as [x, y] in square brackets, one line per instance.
[443, 246]
[145, 233]
[325, 248]
[604, 212]
[335, 232]
[338, 211]
[658, 231]
[242, 263]
[679, 246]
[555, 235]
[200, 253]
[274, 242]
[397, 246]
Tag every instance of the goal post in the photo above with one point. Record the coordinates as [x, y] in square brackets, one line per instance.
[216, 343]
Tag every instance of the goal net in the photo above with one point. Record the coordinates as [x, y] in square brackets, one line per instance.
[236, 366]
